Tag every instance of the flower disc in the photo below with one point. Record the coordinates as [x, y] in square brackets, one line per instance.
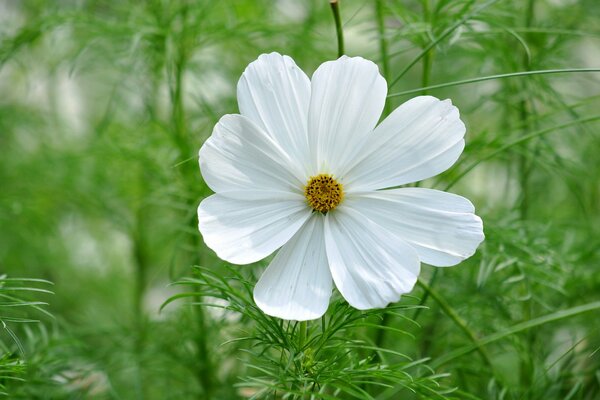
[323, 193]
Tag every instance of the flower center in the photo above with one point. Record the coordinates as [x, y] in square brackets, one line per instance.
[323, 192]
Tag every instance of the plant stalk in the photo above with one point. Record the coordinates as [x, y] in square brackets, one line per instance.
[335, 8]
[383, 49]
[524, 163]
[453, 315]
[302, 333]
[428, 56]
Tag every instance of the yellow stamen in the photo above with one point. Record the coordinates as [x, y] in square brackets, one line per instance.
[323, 192]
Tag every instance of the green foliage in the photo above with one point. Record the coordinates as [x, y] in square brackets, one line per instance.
[104, 106]
[14, 311]
[322, 359]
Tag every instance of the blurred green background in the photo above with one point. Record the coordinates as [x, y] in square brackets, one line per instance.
[104, 105]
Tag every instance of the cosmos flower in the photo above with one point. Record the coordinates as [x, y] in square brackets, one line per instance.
[304, 168]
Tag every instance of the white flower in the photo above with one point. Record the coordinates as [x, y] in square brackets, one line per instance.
[303, 168]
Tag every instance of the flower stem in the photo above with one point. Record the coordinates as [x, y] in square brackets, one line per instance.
[428, 56]
[302, 329]
[140, 275]
[426, 294]
[383, 49]
[181, 138]
[335, 8]
[525, 109]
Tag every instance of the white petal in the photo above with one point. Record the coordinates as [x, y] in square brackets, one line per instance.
[274, 93]
[297, 284]
[241, 157]
[442, 227]
[371, 267]
[420, 139]
[347, 98]
[245, 231]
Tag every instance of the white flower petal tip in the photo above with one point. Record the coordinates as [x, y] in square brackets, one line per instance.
[348, 96]
[371, 267]
[275, 94]
[440, 226]
[420, 139]
[297, 284]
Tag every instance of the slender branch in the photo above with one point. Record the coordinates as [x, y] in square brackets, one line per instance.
[425, 295]
[525, 167]
[525, 108]
[302, 334]
[428, 57]
[335, 8]
[518, 141]
[204, 370]
[453, 315]
[492, 77]
[443, 36]
[385, 62]
[520, 327]
[383, 47]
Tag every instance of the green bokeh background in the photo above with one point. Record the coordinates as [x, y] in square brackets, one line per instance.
[104, 105]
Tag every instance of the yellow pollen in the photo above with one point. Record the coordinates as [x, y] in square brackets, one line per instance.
[323, 192]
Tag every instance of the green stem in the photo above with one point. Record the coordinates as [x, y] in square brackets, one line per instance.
[383, 48]
[492, 77]
[385, 62]
[190, 177]
[453, 315]
[428, 56]
[302, 333]
[380, 334]
[426, 294]
[517, 142]
[443, 36]
[524, 110]
[520, 327]
[335, 8]
[140, 266]
[140, 275]
[523, 326]
[426, 72]
[526, 359]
